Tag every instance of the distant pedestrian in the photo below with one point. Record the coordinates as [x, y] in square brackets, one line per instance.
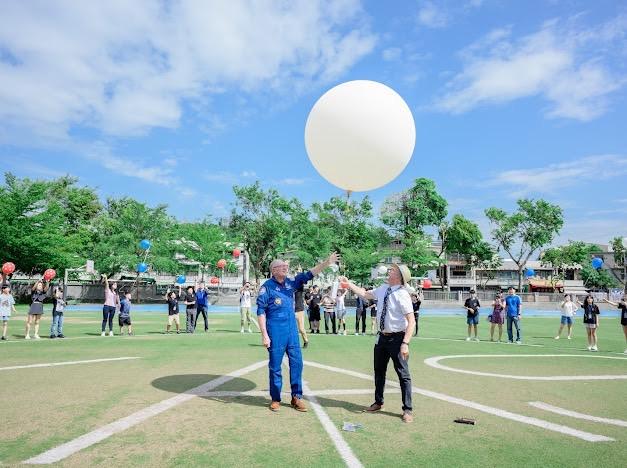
[498, 315]
[202, 304]
[173, 310]
[314, 309]
[591, 321]
[124, 317]
[513, 310]
[472, 306]
[360, 314]
[112, 301]
[190, 308]
[7, 306]
[622, 305]
[372, 306]
[328, 304]
[58, 306]
[568, 308]
[38, 295]
[299, 310]
[307, 298]
[245, 301]
[416, 302]
[340, 311]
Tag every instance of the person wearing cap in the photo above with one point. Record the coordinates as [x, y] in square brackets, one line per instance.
[472, 307]
[395, 325]
[279, 330]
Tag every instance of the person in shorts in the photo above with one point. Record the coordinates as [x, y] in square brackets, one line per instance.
[568, 308]
[58, 305]
[38, 295]
[124, 317]
[245, 302]
[314, 309]
[498, 316]
[7, 305]
[590, 321]
[622, 305]
[340, 311]
[173, 310]
[472, 306]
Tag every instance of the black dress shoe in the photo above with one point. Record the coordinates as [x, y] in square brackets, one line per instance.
[52, 336]
[61, 336]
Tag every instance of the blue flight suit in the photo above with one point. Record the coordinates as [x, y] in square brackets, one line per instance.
[276, 301]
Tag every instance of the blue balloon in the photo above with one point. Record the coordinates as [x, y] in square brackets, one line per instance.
[145, 244]
[597, 263]
[530, 272]
[142, 267]
[180, 279]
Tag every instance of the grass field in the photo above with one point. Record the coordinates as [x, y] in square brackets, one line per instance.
[46, 407]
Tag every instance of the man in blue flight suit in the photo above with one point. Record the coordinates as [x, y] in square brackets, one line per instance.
[279, 330]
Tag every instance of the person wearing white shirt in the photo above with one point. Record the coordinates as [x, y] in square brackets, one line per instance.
[568, 308]
[395, 325]
[245, 296]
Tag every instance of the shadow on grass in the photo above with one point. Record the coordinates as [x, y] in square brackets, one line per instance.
[186, 382]
[256, 345]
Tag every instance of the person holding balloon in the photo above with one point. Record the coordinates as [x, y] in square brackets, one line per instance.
[7, 305]
[591, 321]
[36, 310]
[202, 303]
[190, 309]
[173, 310]
[622, 305]
[112, 301]
[279, 330]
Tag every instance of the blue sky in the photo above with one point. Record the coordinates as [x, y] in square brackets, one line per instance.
[174, 102]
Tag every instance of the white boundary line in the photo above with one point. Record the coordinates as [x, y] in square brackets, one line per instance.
[574, 414]
[264, 393]
[342, 447]
[434, 362]
[68, 363]
[69, 448]
[587, 436]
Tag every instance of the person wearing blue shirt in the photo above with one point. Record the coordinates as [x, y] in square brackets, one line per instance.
[279, 330]
[202, 303]
[513, 304]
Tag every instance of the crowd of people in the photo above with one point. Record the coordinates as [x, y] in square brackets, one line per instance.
[310, 304]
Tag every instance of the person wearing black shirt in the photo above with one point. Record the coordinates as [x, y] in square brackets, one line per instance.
[416, 301]
[307, 298]
[590, 321]
[472, 306]
[622, 305]
[190, 302]
[360, 315]
[173, 310]
[38, 295]
[314, 309]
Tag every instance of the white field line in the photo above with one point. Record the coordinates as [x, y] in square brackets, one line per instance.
[574, 414]
[434, 362]
[480, 407]
[69, 448]
[342, 447]
[67, 363]
[264, 393]
[460, 340]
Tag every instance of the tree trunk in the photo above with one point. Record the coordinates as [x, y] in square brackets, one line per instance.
[520, 277]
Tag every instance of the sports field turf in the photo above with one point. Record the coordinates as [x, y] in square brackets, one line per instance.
[46, 407]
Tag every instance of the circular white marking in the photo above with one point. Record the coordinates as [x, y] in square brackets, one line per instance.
[435, 362]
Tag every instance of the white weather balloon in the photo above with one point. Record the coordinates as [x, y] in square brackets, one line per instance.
[360, 135]
[382, 270]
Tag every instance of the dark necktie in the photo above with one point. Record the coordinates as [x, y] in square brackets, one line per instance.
[385, 309]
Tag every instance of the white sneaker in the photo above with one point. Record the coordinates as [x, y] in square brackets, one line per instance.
[467, 338]
[111, 333]
[27, 337]
[249, 330]
[242, 330]
[557, 337]
[518, 342]
[37, 337]
[356, 333]
[625, 352]
[589, 348]
[344, 332]
[102, 334]
[476, 339]
[594, 348]
[569, 337]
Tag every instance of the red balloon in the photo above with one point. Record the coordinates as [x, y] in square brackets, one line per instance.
[426, 283]
[221, 263]
[236, 253]
[344, 285]
[214, 280]
[49, 274]
[8, 268]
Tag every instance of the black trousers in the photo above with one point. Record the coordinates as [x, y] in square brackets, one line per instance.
[361, 315]
[201, 310]
[390, 347]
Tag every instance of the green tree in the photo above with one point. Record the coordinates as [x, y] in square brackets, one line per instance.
[410, 211]
[534, 225]
[46, 223]
[203, 242]
[620, 259]
[597, 279]
[560, 258]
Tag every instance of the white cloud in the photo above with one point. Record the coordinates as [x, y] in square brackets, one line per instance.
[574, 69]
[124, 68]
[250, 174]
[432, 16]
[291, 181]
[551, 178]
[391, 54]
